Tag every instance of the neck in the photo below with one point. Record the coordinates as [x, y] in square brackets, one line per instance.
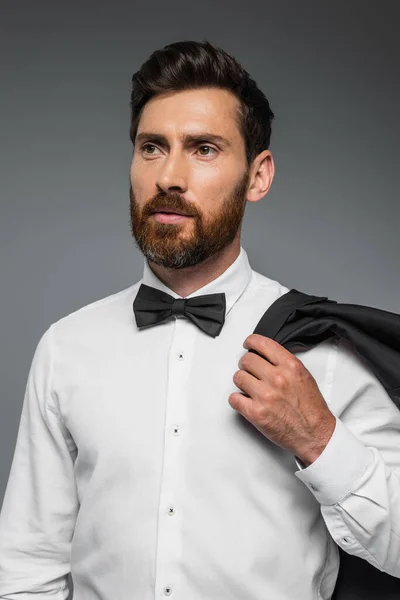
[186, 281]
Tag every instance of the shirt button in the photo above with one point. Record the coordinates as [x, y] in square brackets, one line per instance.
[175, 430]
[313, 487]
[168, 590]
[181, 356]
[171, 511]
[345, 540]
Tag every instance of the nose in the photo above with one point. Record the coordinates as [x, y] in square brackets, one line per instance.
[172, 175]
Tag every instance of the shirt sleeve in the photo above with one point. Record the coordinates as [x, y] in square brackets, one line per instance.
[40, 504]
[356, 479]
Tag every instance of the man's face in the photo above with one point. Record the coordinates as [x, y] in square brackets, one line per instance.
[205, 178]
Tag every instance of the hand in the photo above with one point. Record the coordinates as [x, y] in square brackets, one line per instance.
[282, 400]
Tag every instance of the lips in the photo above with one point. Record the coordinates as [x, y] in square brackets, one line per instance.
[165, 217]
[171, 212]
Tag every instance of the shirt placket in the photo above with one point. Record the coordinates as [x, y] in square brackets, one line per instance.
[169, 540]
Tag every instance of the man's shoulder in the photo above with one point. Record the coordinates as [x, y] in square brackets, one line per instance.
[262, 282]
[103, 313]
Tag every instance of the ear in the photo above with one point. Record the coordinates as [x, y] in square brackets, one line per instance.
[263, 172]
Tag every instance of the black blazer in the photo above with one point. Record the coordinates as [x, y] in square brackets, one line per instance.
[299, 321]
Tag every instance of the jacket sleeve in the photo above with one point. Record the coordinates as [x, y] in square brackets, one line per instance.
[356, 479]
[40, 505]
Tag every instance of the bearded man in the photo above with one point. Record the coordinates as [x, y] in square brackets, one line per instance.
[157, 456]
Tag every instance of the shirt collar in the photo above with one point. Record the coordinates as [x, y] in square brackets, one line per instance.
[232, 282]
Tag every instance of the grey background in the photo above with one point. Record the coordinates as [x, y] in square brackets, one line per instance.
[328, 226]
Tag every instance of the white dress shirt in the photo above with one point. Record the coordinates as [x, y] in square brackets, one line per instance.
[133, 472]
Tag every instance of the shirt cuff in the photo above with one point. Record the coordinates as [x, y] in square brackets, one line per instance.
[334, 474]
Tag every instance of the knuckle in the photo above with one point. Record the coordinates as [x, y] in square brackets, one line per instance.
[267, 396]
[237, 377]
[245, 360]
[278, 380]
[249, 340]
[258, 413]
[232, 400]
[294, 364]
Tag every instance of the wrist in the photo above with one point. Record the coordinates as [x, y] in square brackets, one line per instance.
[319, 441]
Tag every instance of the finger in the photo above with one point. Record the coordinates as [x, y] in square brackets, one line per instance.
[239, 402]
[257, 366]
[246, 382]
[268, 348]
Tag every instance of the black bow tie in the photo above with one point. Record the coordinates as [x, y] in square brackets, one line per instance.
[152, 306]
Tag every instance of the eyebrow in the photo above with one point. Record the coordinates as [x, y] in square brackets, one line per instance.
[186, 138]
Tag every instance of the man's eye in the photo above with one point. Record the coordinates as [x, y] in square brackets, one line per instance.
[148, 146]
[209, 147]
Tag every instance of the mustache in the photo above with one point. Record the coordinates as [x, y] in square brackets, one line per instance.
[171, 202]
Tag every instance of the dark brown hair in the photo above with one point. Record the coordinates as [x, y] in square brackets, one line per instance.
[189, 65]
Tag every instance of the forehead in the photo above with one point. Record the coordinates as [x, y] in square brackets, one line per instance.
[205, 109]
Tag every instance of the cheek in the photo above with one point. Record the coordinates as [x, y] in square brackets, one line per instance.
[140, 183]
[209, 186]
[138, 169]
[133, 175]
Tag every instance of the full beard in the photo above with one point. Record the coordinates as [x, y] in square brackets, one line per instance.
[182, 244]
